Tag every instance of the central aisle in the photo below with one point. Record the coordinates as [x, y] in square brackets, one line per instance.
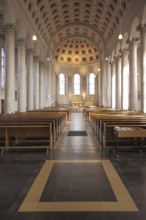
[78, 180]
[77, 147]
[75, 181]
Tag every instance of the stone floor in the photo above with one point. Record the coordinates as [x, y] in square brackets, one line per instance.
[76, 180]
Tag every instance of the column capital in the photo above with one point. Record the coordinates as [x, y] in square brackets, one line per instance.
[115, 58]
[132, 40]
[36, 58]
[141, 28]
[41, 63]
[29, 51]
[21, 42]
[1, 30]
[9, 27]
[125, 50]
[120, 53]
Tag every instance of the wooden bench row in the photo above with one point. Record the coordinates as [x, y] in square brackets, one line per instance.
[35, 128]
[101, 110]
[14, 135]
[103, 125]
[55, 109]
[136, 133]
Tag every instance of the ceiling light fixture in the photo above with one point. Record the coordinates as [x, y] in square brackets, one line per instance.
[34, 37]
[120, 37]
[106, 58]
[106, 55]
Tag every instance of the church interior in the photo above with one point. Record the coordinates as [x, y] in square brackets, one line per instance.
[72, 109]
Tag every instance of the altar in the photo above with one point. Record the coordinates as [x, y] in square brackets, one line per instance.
[76, 103]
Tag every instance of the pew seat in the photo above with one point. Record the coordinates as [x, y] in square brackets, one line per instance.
[4, 149]
[136, 133]
[103, 124]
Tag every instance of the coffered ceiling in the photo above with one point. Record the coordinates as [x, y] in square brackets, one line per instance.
[67, 25]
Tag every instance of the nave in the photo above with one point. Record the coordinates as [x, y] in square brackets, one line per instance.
[76, 180]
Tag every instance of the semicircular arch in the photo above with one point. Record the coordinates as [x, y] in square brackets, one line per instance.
[7, 13]
[76, 28]
[21, 33]
[124, 41]
[144, 16]
[135, 24]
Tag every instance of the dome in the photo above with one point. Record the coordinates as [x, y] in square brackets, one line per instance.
[76, 51]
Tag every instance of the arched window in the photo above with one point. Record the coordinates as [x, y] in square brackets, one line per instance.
[62, 84]
[76, 84]
[3, 70]
[91, 84]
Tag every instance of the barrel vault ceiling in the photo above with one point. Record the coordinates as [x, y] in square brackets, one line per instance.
[75, 30]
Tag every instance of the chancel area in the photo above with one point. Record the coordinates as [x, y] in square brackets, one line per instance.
[72, 109]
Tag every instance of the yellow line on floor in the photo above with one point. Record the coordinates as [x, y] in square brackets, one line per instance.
[124, 201]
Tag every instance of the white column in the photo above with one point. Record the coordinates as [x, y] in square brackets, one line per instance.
[46, 83]
[133, 93]
[41, 85]
[103, 83]
[125, 79]
[36, 82]
[118, 82]
[96, 90]
[113, 69]
[52, 82]
[10, 68]
[22, 98]
[142, 29]
[69, 90]
[109, 86]
[49, 85]
[30, 80]
[106, 83]
[84, 86]
[98, 87]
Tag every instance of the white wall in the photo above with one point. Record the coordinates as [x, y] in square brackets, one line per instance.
[70, 70]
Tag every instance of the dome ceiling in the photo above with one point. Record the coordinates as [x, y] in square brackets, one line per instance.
[85, 21]
[76, 51]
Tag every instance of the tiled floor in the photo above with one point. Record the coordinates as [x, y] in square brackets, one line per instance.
[74, 181]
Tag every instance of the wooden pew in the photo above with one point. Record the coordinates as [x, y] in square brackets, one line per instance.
[117, 120]
[54, 109]
[57, 118]
[32, 125]
[103, 124]
[97, 119]
[14, 133]
[101, 110]
[137, 133]
[26, 120]
[108, 132]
